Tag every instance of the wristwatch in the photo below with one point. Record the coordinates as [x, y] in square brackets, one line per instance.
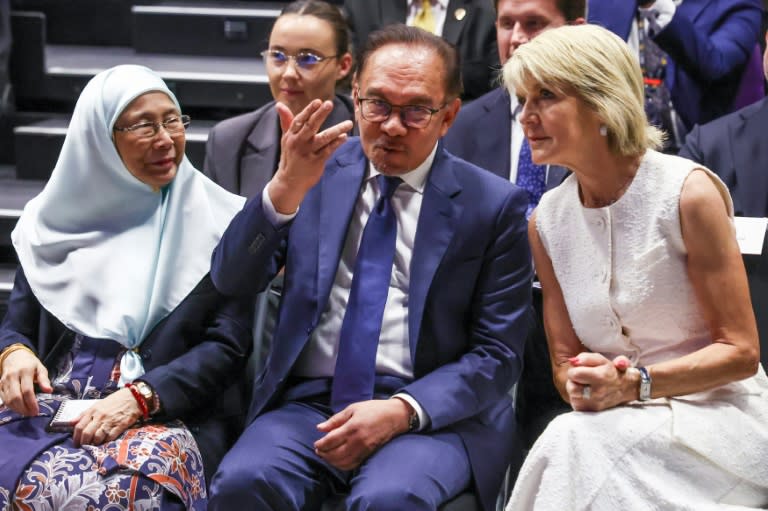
[645, 384]
[150, 398]
[413, 421]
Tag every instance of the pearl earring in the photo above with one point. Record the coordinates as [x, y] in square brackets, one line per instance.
[604, 130]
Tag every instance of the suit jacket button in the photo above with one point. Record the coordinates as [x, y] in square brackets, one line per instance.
[147, 355]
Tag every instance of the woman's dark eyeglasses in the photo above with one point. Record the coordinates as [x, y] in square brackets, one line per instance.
[304, 60]
[412, 116]
[173, 125]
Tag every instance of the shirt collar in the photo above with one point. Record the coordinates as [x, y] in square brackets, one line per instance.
[442, 3]
[416, 178]
[514, 105]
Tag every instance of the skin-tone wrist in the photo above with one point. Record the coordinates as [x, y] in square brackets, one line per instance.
[286, 195]
[407, 409]
[632, 384]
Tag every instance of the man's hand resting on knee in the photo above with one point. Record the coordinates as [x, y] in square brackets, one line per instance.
[357, 431]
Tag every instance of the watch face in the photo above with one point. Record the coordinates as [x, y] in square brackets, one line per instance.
[144, 390]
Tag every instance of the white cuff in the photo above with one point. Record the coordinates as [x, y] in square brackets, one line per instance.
[423, 419]
[276, 219]
[661, 11]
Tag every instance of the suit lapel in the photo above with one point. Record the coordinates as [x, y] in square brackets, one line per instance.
[499, 115]
[453, 25]
[339, 191]
[437, 224]
[747, 148]
[555, 175]
[258, 166]
[615, 15]
[393, 11]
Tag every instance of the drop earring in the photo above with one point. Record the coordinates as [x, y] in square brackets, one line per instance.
[604, 130]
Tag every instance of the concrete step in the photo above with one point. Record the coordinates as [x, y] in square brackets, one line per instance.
[96, 22]
[56, 74]
[7, 273]
[223, 28]
[14, 194]
[37, 145]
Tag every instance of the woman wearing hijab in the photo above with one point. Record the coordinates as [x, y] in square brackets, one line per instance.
[113, 303]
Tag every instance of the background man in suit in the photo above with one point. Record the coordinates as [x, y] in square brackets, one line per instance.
[706, 43]
[734, 147]
[487, 133]
[496, 147]
[442, 341]
[467, 24]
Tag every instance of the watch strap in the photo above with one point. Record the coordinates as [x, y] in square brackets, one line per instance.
[645, 384]
[413, 421]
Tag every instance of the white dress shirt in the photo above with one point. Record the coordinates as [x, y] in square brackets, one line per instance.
[393, 356]
[439, 9]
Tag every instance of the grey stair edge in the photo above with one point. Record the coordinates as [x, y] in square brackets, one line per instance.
[7, 274]
[71, 60]
[206, 11]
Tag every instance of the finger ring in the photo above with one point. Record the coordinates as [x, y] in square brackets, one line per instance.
[586, 392]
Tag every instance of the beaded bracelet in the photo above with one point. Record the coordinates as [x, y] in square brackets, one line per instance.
[139, 399]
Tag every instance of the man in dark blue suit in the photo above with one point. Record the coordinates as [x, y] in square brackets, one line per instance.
[487, 134]
[708, 42]
[435, 418]
[734, 148]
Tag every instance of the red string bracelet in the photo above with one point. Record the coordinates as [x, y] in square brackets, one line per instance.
[139, 399]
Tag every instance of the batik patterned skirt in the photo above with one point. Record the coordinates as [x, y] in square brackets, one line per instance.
[149, 466]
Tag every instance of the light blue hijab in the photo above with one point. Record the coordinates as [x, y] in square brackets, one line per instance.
[104, 253]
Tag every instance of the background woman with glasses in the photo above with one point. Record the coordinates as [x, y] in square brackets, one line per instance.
[113, 304]
[308, 56]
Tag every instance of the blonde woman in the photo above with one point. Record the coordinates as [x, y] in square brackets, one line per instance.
[646, 305]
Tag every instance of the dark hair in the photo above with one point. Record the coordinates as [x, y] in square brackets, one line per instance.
[570, 9]
[328, 13]
[412, 36]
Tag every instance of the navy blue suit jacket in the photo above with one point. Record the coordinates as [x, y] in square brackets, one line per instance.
[734, 148]
[481, 135]
[193, 358]
[469, 294]
[709, 43]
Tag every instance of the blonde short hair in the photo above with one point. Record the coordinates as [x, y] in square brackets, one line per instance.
[595, 65]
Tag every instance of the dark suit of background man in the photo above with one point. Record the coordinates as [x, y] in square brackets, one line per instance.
[6, 99]
[438, 419]
[487, 133]
[735, 148]
[468, 25]
[709, 42]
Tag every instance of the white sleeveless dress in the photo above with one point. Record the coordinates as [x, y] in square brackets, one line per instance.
[622, 270]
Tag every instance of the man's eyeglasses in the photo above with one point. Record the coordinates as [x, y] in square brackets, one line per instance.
[173, 125]
[304, 60]
[412, 116]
